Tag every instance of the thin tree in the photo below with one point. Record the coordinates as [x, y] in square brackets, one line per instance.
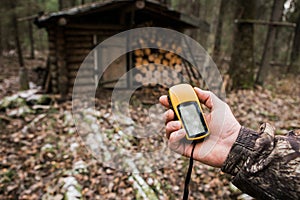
[195, 11]
[23, 80]
[242, 65]
[1, 44]
[217, 45]
[294, 66]
[264, 68]
[30, 31]
[72, 3]
[60, 4]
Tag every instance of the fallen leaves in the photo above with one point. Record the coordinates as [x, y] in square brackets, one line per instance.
[42, 157]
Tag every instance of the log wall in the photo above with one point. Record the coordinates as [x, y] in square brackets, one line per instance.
[69, 45]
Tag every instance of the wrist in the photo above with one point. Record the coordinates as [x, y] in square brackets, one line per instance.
[240, 151]
[228, 142]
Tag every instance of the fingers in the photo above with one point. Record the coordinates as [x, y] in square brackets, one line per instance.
[176, 137]
[169, 115]
[164, 101]
[171, 127]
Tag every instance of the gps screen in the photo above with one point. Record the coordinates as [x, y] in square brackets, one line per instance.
[192, 118]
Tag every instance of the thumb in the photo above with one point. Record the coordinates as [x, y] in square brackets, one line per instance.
[208, 98]
[205, 97]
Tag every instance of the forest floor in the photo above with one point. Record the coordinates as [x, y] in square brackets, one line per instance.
[42, 156]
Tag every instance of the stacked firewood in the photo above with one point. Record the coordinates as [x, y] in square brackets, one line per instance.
[158, 59]
[157, 66]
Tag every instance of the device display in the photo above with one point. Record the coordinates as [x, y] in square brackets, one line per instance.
[192, 118]
[185, 103]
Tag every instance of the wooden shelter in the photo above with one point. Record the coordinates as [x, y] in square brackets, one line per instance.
[74, 32]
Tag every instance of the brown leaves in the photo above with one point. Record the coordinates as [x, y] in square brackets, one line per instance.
[40, 150]
[253, 107]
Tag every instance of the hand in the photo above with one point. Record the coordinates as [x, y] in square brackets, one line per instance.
[223, 127]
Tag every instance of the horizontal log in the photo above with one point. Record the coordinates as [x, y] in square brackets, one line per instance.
[75, 59]
[54, 82]
[80, 45]
[88, 32]
[52, 58]
[52, 51]
[83, 74]
[73, 67]
[78, 52]
[103, 27]
[79, 39]
[54, 74]
[86, 62]
[82, 89]
[263, 22]
[52, 45]
[82, 81]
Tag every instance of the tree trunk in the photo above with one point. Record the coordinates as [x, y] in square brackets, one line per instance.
[218, 37]
[60, 4]
[73, 3]
[17, 39]
[23, 80]
[267, 54]
[1, 44]
[242, 65]
[294, 66]
[30, 32]
[82, 2]
[196, 12]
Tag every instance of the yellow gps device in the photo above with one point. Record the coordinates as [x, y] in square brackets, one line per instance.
[185, 103]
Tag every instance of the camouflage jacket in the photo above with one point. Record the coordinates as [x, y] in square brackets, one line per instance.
[265, 166]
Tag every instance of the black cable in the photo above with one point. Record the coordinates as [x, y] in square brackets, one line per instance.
[188, 175]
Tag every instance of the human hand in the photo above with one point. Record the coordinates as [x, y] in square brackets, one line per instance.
[223, 127]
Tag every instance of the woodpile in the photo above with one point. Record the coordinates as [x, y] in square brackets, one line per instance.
[160, 66]
[162, 63]
[157, 66]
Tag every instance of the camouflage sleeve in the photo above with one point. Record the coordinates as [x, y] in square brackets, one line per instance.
[265, 166]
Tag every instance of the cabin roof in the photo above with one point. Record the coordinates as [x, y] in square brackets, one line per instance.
[149, 8]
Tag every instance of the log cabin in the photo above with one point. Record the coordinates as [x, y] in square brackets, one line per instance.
[74, 32]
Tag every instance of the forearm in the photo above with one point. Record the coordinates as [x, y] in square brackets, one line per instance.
[265, 166]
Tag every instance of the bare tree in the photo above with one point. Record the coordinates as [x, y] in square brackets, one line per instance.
[195, 10]
[30, 31]
[294, 66]
[217, 45]
[61, 4]
[23, 80]
[242, 65]
[1, 44]
[267, 54]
